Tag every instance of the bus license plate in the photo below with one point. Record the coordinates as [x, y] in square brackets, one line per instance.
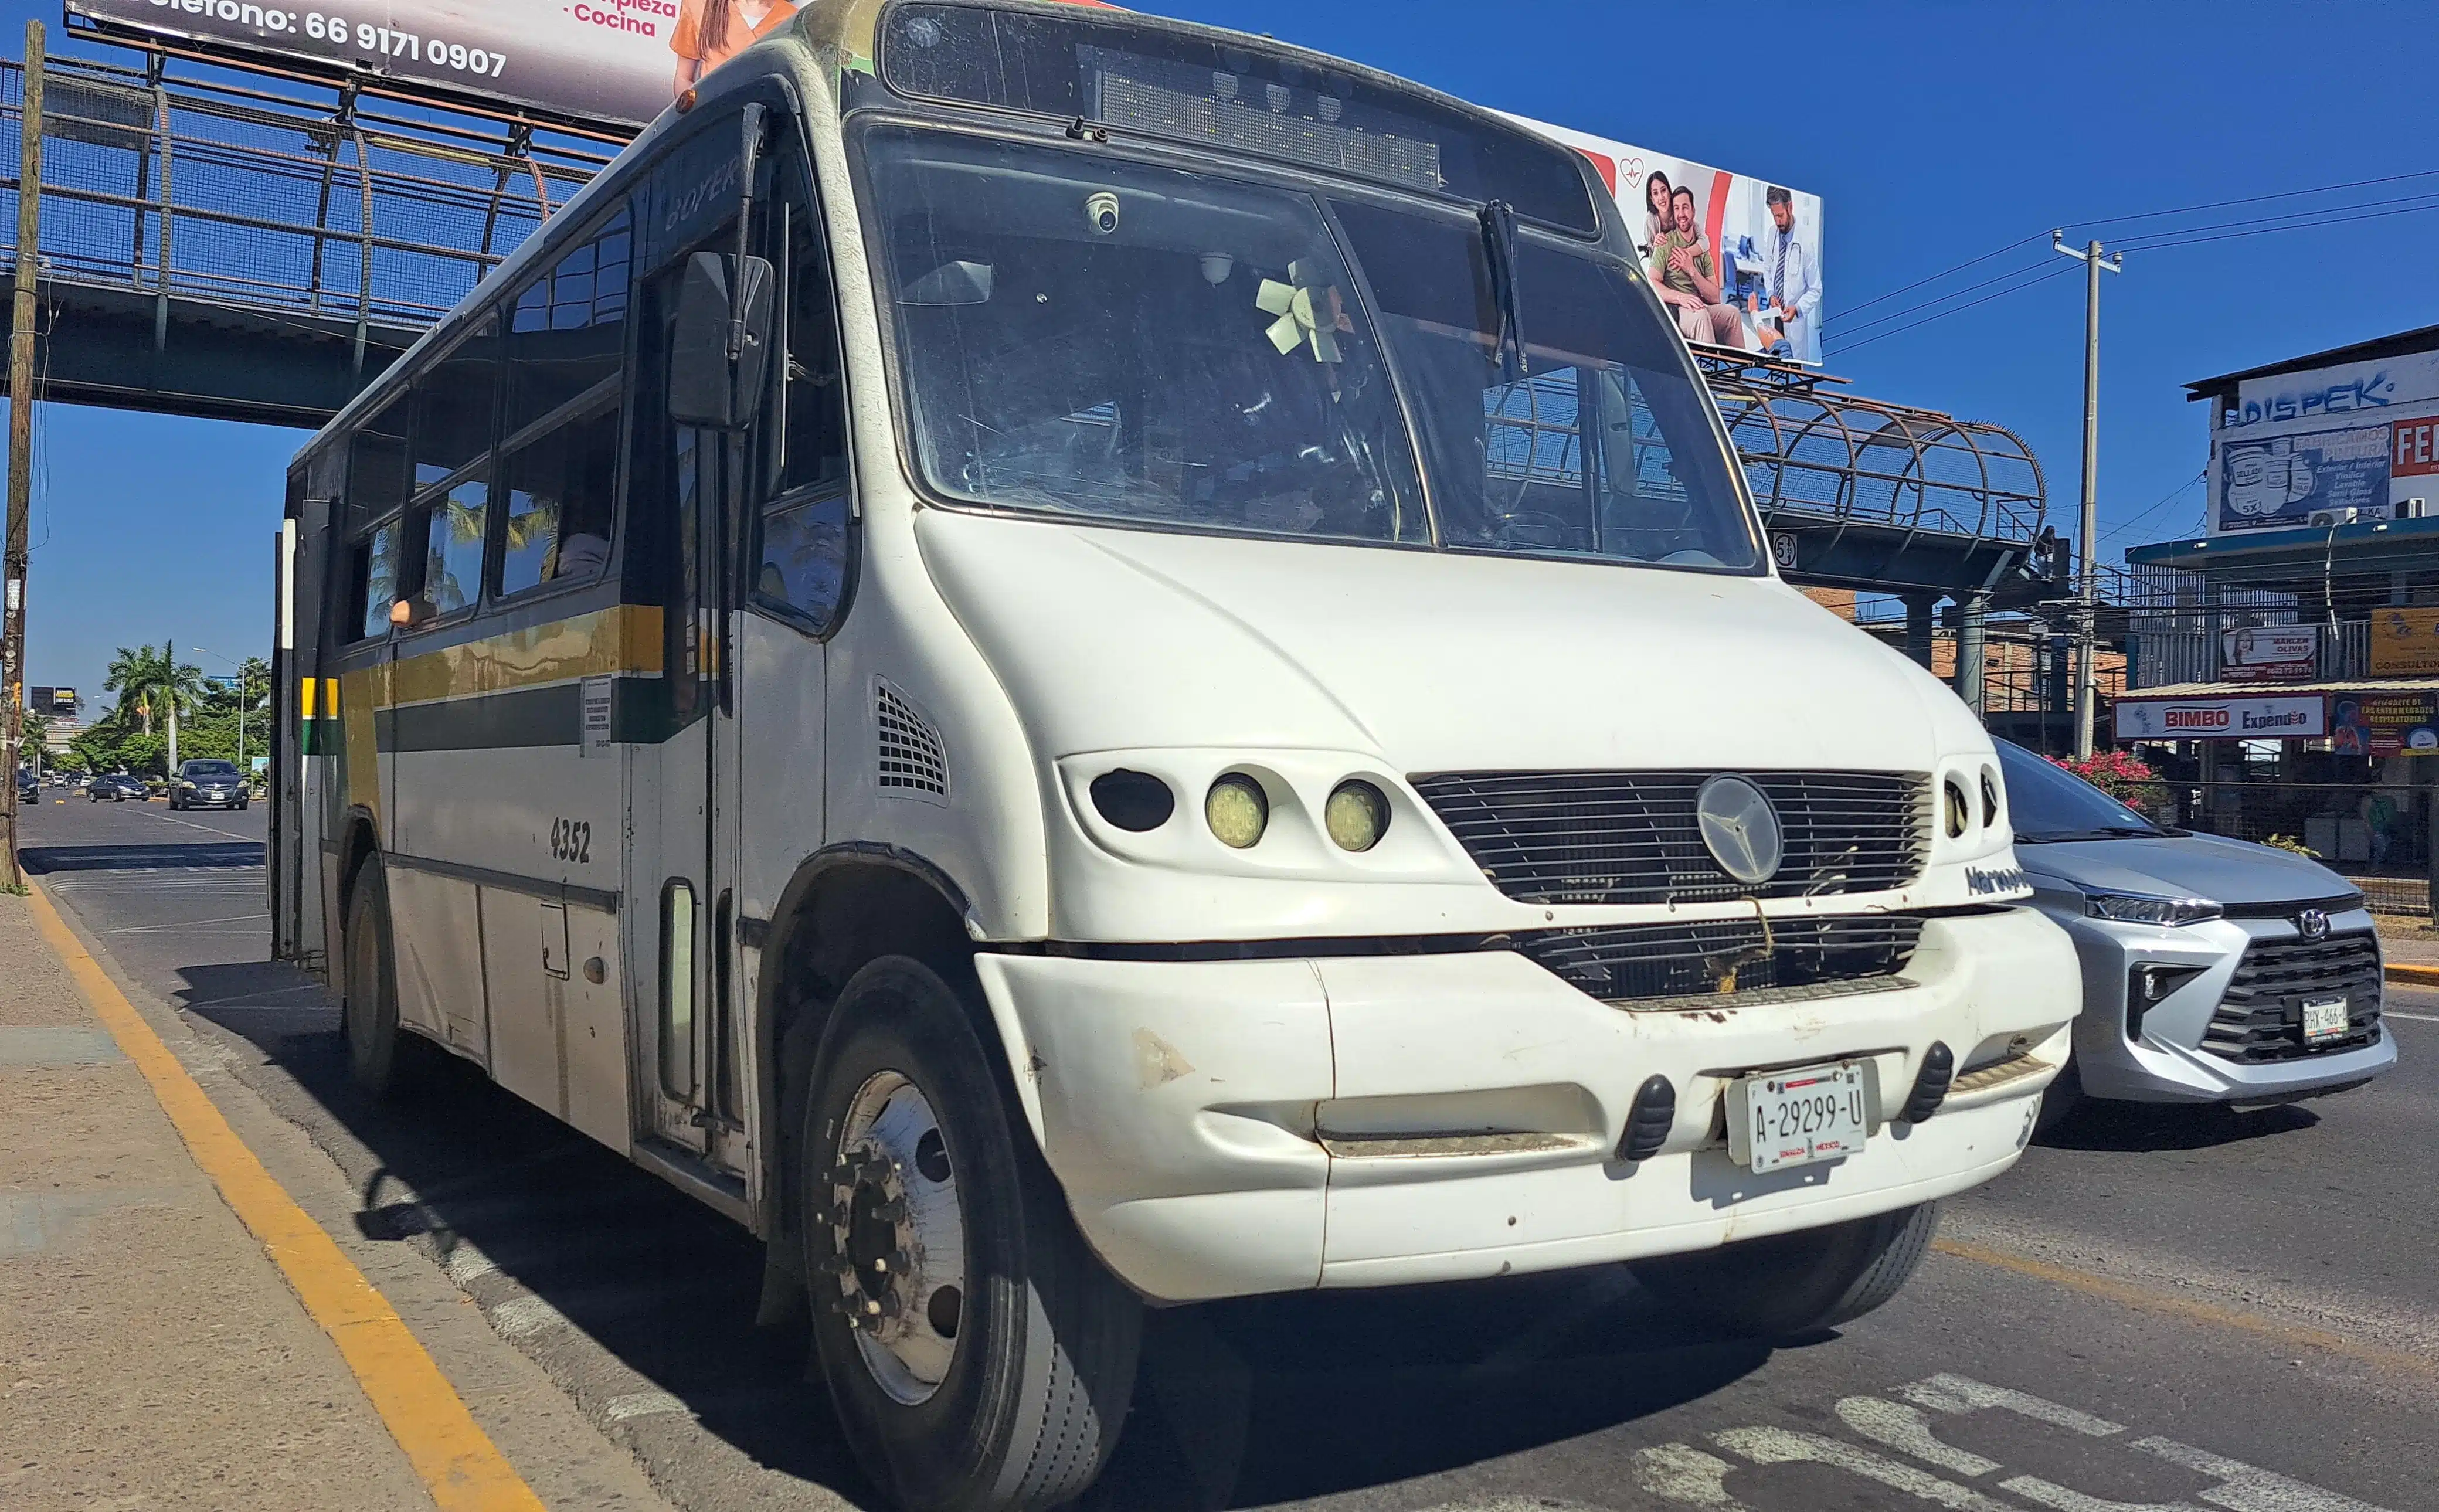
[2324, 1019]
[1796, 1117]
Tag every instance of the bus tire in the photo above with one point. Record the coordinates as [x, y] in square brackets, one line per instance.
[1789, 1285]
[383, 1058]
[910, 1157]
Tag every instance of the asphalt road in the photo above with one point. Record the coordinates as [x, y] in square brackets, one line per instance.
[2154, 1310]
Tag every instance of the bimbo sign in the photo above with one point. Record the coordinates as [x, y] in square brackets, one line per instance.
[2228, 718]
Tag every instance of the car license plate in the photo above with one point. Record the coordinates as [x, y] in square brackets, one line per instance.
[1796, 1117]
[2324, 1019]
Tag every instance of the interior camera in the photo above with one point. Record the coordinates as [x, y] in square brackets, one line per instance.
[1102, 211]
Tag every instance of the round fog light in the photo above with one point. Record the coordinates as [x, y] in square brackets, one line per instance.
[1357, 815]
[1237, 811]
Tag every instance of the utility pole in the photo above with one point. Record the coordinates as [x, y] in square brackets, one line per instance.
[20, 444]
[2087, 679]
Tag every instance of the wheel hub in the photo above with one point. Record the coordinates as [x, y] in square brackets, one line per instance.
[897, 1253]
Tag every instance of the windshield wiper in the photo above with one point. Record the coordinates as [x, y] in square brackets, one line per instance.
[1499, 247]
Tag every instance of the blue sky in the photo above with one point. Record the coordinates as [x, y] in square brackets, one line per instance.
[1934, 132]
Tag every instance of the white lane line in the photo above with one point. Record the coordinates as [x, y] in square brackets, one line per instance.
[225, 834]
[2418, 1018]
[187, 923]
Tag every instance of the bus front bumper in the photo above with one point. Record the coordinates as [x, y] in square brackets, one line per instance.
[1223, 1128]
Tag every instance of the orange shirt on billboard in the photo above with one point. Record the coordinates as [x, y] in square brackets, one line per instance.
[687, 40]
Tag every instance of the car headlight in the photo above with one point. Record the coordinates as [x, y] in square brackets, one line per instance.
[2137, 908]
[1237, 811]
[1357, 815]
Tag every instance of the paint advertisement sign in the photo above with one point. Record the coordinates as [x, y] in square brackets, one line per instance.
[2385, 725]
[610, 62]
[2357, 436]
[2404, 642]
[1736, 258]
[2223, 718]
[2269, 653]
[2283, 482]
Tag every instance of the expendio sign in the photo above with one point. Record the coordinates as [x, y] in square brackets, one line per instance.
[2223, 718]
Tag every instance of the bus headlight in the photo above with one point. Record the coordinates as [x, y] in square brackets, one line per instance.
[1237, 811]
[1357, 815]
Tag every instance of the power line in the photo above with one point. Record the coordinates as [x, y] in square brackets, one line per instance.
[2165, 500]
[2182, 237]
[2056, 271]
[1940, 299]
[1936, 277]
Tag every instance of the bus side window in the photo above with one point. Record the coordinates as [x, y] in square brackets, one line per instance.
[567, 334]
[455, 405]
[377, 464]
[802, 565]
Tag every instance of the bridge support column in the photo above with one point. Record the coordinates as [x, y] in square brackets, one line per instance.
[1918, 609]
[1973, 614]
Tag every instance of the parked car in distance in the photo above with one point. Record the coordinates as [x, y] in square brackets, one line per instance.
[2215, 971]
[115, 787]
[29, 788]
[208, 785]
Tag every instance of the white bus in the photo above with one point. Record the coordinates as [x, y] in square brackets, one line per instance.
[1065, 660]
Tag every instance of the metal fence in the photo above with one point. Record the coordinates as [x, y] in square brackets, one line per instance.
[291, 198]
[2377, 837]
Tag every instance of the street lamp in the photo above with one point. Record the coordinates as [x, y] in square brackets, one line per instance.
[242, 770]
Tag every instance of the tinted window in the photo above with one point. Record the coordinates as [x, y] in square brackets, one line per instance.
[454, 526]
[377, 469]
[560, 491]
[208, 769]
[455, 403]
[376, 572]
[2047, 801]
[1602, 446]
[803, 550]
[1196, 358]
[567, 329]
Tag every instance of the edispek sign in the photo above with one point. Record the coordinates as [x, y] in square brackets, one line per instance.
[616, 62]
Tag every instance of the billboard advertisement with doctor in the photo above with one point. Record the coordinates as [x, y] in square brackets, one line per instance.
[1736, 259]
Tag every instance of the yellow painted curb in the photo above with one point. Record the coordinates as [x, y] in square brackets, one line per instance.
[464, 1469]
[2414, 975]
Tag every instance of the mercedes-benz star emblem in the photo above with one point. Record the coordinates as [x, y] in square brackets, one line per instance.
[1740, 828]
[2313, 923]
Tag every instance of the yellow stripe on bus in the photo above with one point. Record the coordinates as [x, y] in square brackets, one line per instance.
[623, 639]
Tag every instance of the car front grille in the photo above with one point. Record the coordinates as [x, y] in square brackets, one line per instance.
[1631, 837]
[1728, 959]
[2260, 1018]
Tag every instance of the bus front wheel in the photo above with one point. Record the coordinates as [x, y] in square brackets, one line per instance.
[1789, 1285]
[980, 1356]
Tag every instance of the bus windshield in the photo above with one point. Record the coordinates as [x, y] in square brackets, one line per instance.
[1089, 337]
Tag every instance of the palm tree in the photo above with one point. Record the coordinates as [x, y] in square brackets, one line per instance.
[155, 678]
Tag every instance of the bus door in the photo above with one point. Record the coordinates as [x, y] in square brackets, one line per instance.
[758, 537]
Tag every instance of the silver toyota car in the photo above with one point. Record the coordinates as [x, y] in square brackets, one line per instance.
[2215, 971]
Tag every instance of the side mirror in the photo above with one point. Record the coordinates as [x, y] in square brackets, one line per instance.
[706, 388]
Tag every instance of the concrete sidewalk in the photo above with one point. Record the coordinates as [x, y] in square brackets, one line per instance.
[150, 1353]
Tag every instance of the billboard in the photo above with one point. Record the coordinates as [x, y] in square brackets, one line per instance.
[1736, 258]
[2385, 725]
[2298, 450]
[616, 62]
[2269, 653]
[2404, 642]
[52, 701]
[2221, 719]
